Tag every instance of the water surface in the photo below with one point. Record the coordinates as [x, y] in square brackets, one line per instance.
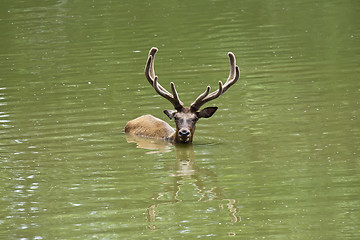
[278, 160]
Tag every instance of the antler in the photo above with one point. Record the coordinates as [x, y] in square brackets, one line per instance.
[153, 80]
[232, 79]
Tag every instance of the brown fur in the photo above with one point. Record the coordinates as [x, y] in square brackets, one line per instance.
[149, 126]
[185, 120]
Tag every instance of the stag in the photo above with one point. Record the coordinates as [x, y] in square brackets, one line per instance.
[185, 117]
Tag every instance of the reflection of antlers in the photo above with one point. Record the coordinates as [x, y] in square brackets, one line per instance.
[152, 78]
[151, 216]
[232, 79]
[233, 210]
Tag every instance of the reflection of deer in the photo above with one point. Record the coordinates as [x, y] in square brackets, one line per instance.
[186, 168]
[155, 145]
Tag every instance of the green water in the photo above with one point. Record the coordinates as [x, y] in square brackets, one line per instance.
[278, 160]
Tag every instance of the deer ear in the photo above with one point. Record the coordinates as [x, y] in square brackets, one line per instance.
[207, 112]
[170, 113]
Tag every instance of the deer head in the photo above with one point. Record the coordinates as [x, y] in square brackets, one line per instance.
[186, 117]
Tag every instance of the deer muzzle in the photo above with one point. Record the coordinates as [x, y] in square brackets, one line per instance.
[184, 134]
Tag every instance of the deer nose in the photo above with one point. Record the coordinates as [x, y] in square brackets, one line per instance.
[184, 132]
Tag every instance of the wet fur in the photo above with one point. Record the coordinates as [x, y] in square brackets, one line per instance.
[150, 126]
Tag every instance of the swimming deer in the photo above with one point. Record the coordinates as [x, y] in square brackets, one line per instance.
[185, 117]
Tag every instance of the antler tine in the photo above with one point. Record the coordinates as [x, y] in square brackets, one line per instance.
[153, 80]
[234, 74]
[149, 68]
[232, 79]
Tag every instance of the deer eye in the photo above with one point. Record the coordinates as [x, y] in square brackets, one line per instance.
[192, 120]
